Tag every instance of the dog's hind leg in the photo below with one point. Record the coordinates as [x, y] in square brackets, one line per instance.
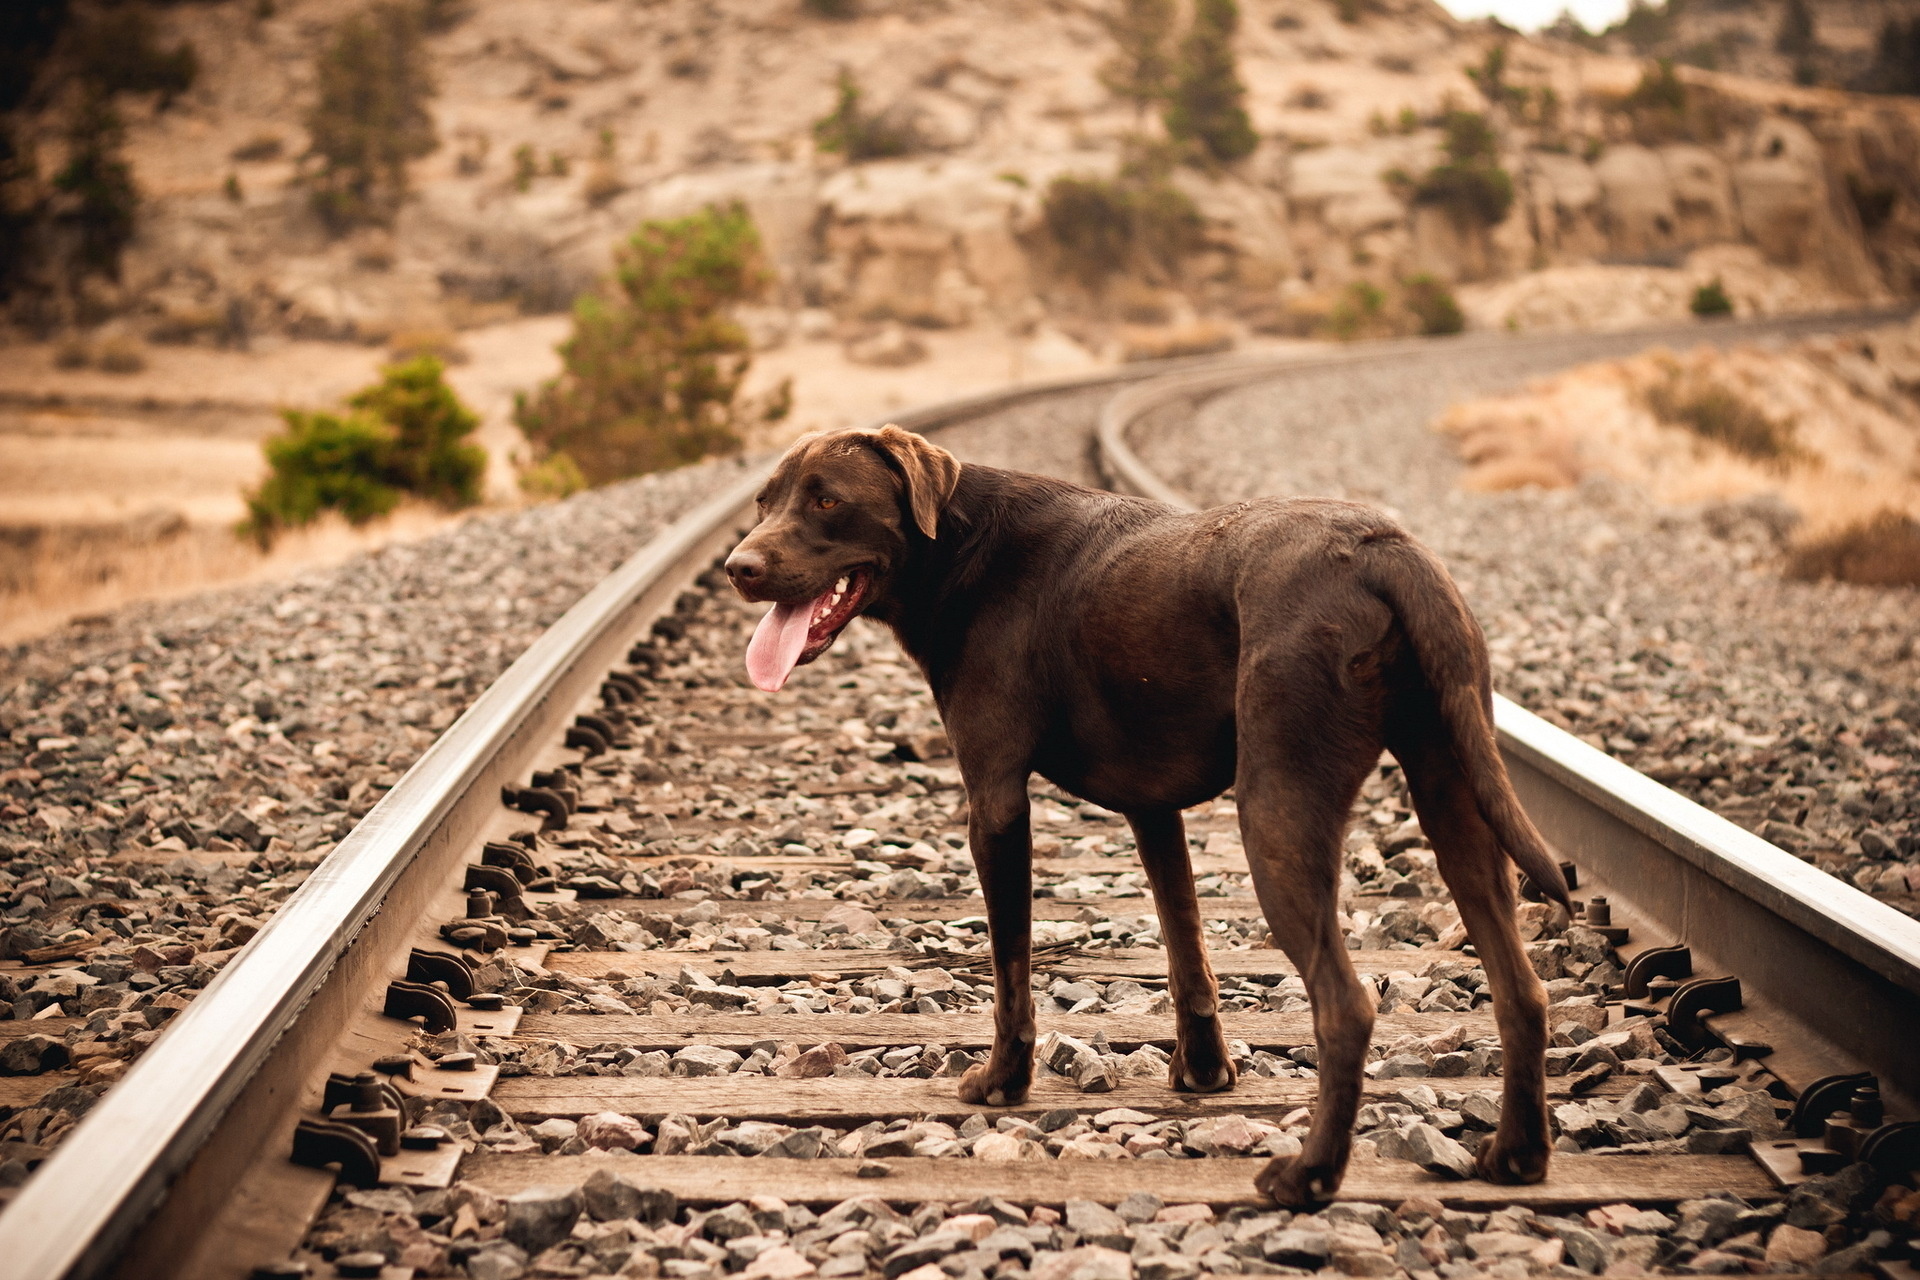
[1295, 788]
[1200, 1061]
[1476, 870]
[999, 831]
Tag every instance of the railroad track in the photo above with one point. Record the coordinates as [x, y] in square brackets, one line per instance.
[627, 902]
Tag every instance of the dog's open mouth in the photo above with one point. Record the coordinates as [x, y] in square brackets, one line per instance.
[795, 632]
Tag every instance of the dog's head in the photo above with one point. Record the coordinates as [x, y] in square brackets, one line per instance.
[839, 514]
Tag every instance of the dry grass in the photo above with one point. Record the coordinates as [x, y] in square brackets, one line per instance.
[1881, 551]
[1164, 342]
[1825, 427]
[54, 574]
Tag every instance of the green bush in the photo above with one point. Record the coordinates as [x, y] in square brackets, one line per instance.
[430, 456]
[859, 135]
[838, 10]
[1795, 38]
[1471, 185]
[1206, 107]
[322, 463]
[1434, 306]
[98, 178]
[1359, 312]
[1136, 223]
[406, 434]
[1140, 69]
[1896, 59]
[118, 51]
[1711, 299]
[654, 364]
[370, 117]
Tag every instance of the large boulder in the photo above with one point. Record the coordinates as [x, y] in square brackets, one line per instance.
[1641, 220]
[1781, 184]
[1564, 196]
[1702, 195]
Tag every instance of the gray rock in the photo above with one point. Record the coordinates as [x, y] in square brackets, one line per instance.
[1141, 1206]
[704, 1060]
[928, 1248]
[1437, 1153]
[611, 1196]
[1304, 1247]
[1096, 1224]
[541, 1216]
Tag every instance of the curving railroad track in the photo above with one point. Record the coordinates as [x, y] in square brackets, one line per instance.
[639, 971]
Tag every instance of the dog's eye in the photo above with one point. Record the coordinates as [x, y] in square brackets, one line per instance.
[828, 504]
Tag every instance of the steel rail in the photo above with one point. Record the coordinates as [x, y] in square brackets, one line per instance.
[78, 1215]
[89, 1204]
[1825, 958]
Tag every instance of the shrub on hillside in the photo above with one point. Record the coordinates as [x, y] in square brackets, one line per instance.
[1433, 305]
[1881, 551]
[1471, 185]
[1137, 223]
[118, 51]
[370, 117]
[1722, 415]
[1140, 69]
[1896, 59]
[1206, 107]
[406, 434]
[655, 362]
[98, 182]
[858, 134]
[1711, 299]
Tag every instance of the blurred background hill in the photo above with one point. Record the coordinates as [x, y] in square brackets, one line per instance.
[211, 210]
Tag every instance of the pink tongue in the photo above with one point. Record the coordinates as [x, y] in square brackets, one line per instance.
[777, 643]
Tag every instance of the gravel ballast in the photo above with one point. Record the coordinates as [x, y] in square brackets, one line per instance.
[1665, 636]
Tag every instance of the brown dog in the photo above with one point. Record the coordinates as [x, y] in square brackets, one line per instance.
[1147, 660]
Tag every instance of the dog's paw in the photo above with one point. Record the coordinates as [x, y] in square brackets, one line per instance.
[1292, 1183]
[985, 1086]
[1512, 1163]
[1201, 1063]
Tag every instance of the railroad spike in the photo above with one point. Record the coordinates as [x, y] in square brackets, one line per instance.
[497, 853]
[582, 738]
[320, 1143]
[1656, 962]
[425, 966]
[1687, 1011]
[538, 800]
[1822, 1098]
[409, 1000]
[503, 885]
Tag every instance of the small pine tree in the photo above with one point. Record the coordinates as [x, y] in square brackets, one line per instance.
[1471, 186]
[1795, 37]
[1206, 107]
[119, 51]
[430, 456]
[370, 118]
[406, 434]
[100, 183]
[1896, 59]
[655, 363]
[1141, 67]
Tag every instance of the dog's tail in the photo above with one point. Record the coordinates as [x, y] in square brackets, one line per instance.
[1451, 651]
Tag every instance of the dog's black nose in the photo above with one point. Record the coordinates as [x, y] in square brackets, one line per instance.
[746, 568]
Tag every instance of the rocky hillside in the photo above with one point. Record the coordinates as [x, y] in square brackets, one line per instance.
[1857, 44]
[1387, 134]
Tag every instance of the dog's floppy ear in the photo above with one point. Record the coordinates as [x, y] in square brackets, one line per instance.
[930, 472]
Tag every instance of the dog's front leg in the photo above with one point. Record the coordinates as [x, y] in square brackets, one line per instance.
[1003, 852]
[1201, 1063]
